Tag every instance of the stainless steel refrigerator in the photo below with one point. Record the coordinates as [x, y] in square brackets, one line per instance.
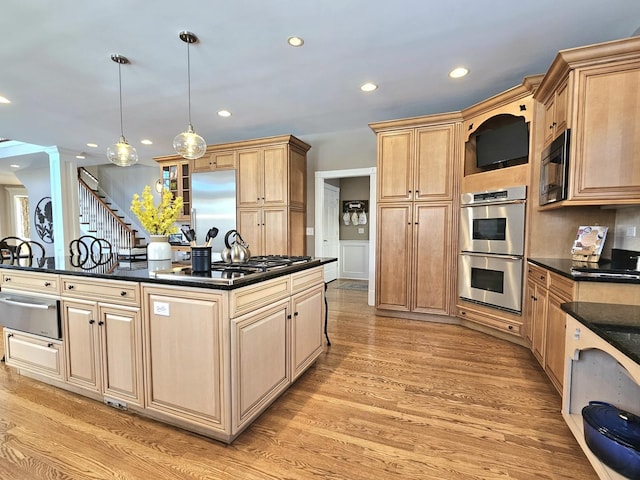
[213, 196]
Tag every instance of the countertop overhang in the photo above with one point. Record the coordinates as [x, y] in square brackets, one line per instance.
[618, 325]
[141, 271]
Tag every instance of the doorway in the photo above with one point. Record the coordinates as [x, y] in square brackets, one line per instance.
[320, 182]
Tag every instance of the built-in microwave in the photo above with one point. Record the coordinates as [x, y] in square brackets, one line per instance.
[554, 170]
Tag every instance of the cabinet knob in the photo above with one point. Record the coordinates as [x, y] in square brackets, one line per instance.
[100, 323]
[50, 345]
[510, 327]
[10, 335]
[70, 287]
[47, 284]
[91, 322]
[295, 314]
[7, 279]
[123, 293]
[541, 277]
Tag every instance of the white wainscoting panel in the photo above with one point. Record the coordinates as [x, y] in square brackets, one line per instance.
[354, 259]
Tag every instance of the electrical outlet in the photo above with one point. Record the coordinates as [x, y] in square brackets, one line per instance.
[309, 231]
[631, 231]
[361, 231]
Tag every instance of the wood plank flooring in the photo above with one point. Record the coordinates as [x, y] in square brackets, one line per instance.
[390, 399]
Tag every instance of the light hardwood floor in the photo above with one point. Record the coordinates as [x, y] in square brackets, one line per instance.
[389, 399]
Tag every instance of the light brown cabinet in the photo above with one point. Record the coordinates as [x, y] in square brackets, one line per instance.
[103, 349]
[546, 292]
[216, 160]
[597, 85]
[271, 195]
[185, 356]
[175, 173]
[556, 109]
[307, 315]
[417, 164]
[413, 273]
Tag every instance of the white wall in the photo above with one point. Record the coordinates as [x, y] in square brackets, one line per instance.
[627, 220]
[37, 183]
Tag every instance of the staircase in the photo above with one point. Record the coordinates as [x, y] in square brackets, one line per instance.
[100, 219]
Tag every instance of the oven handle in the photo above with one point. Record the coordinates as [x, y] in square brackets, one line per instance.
[486, 204]
[492, 255]
[24, 304]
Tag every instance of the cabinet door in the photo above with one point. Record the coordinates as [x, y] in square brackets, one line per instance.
[121, 344]
[275, 231]
[306, 328]
[538, 298]
[250, 227]
[395, 159]
[297, 179]
[176, 177]
[185, 355]
[556, 325]
[606, 142]
[260, 367]
[80, 321]
[275, 176]
[394, 240]
[250, 192]
[431, 258]
[297, 232]
[435, 161]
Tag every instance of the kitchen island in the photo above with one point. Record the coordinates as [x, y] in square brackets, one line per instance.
[602, 363]
[203, 354]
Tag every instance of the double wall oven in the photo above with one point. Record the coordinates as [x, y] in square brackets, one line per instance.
[492, 247]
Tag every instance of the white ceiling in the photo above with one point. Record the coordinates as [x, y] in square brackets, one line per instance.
[57, 71]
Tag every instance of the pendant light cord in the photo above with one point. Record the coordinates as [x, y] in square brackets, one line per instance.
[120, 83]
[189, 81]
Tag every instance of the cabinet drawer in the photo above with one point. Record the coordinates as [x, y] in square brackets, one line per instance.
[537, 274]
[306, 279]
[561, 286]
[33, 353]
[30, 281]
[249, 298]
[112, 291]
[514, 328]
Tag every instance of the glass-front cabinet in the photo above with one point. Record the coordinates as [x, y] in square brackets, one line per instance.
[176, 178]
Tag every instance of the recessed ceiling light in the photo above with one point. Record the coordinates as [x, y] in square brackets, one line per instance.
[458, 72]
[224, 113]
[14, 165]
[80, 157]
[4, 99]
[146, 141]
[92, 145]
[295, 41]
[368, 87]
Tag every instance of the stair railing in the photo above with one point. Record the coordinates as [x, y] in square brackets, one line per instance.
[100, 220]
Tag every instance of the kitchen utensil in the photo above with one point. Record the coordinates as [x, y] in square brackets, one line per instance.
[211, 234]
[613, 436]
[236, 249]
[187, 234]
[201, 259]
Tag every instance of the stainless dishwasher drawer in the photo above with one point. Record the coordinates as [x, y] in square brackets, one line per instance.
[37, 315]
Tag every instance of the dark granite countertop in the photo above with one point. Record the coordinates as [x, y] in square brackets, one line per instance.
[564, 266]
[142, 271]
[618, 325]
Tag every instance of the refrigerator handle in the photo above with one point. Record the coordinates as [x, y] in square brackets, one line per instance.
[193, 219]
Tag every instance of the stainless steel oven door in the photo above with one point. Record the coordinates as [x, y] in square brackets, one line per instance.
[496, 229]
[491, 280]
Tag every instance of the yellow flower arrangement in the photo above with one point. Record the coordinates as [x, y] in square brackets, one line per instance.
[157, 220]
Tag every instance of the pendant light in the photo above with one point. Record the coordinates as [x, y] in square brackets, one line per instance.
[121, 153]
[189, 144]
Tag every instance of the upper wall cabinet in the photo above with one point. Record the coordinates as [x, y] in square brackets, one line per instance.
[416, 162]
[176, 176]
[595, 92]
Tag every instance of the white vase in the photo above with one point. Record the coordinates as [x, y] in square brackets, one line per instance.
[159, 248]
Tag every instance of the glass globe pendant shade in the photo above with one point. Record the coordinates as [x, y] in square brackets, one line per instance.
[122, 154]
[189, 144]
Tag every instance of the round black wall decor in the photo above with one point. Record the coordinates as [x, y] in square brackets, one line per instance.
[43, 220]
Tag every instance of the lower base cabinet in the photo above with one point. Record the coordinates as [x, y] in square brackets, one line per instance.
[103, 349]
[34, 353]
[185, 356]
[260, 369]
[308, 311]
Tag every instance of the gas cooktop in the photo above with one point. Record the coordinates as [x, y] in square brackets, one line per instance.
[256, 268]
